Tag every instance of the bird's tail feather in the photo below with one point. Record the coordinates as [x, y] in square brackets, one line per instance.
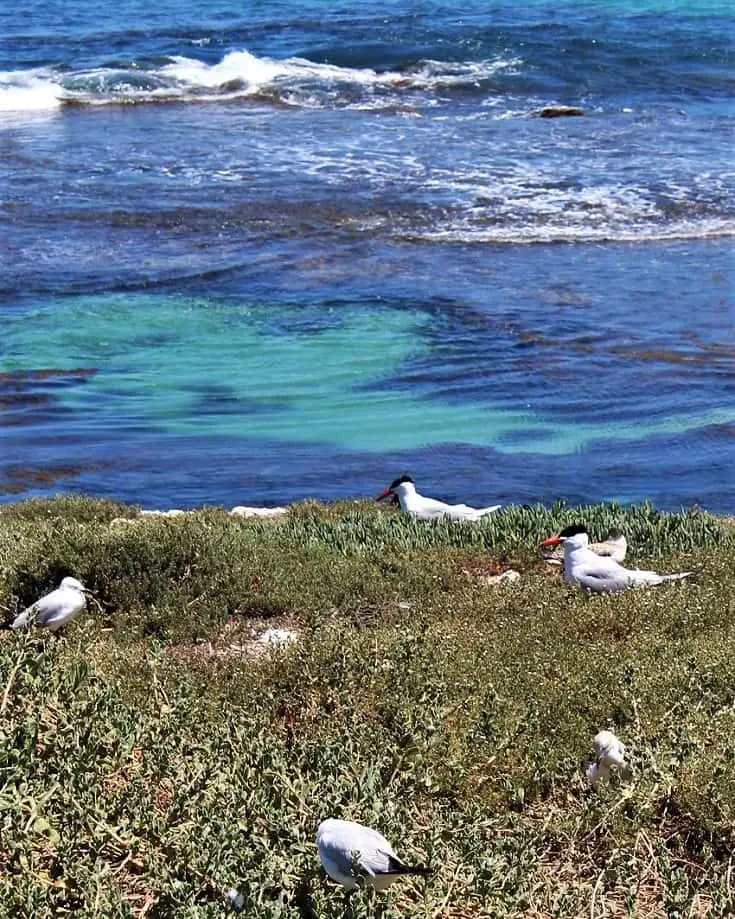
[411, 869]
[484, 511]
[399, 867]
[676, 577]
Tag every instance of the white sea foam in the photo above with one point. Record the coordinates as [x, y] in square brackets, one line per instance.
[560, 233]
[28, 91]
[520, 204]
[253, 72]
[464, 73]
[296, 81]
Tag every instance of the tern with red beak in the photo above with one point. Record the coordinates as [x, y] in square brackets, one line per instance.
[601, 575]
[429, 508]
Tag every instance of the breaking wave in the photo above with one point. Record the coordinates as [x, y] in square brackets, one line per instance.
[239, 75]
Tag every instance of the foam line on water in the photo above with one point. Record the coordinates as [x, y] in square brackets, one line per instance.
[239, 74]
[535, 234]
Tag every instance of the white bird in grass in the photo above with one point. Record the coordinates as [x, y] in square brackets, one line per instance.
[356, 856]
[56, 609]
[584, 568]
[235, 898]
[614, 545]
[609, 754]
[429, 508]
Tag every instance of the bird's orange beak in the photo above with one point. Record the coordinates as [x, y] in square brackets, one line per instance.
[551, 541]
[384, 494]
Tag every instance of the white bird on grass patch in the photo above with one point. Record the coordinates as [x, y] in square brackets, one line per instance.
[429, 508]
[235, 898]
[609, 755]
[57, 609]
[599, 574]
[356, 856]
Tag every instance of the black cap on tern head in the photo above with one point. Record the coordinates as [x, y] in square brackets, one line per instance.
[390, 490]
[574, 530]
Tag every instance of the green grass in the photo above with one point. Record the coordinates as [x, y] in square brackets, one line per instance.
[149, 760]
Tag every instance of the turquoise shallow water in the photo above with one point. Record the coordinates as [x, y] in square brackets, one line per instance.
[219, 368]
[254, 256]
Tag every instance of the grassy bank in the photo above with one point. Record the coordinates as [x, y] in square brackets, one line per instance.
[153, 757]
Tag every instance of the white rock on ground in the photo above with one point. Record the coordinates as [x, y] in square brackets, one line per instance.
[239, 511]
[507, 577]
[174, 512]
[272, 638]
[243, 511]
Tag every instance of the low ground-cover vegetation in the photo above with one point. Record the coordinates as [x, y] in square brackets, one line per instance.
[150, 759]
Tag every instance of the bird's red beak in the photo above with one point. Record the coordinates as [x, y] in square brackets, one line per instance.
[551, 541]
[384, 494]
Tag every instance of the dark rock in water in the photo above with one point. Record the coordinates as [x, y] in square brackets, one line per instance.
[53, 374]
[560, 111]
[26, 394]
[17, 479]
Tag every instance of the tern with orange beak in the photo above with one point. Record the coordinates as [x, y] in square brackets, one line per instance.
[601, 575]
[429, 508]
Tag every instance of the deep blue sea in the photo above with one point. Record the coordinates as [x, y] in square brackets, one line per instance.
[254, 253]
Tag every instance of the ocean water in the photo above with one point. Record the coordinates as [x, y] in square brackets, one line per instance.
[253, 254]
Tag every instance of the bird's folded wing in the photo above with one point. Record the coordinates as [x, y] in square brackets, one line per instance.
[336, 854]
[41, 610]
[375, 852]
[643, 578]
[56, 604]
[614, 757]
[433, 508]
[607, 566]
[599, 580]
[380, 861]
[371, 850]
[465, 510]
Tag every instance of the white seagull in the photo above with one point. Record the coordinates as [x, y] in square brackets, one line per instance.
[429, 508]
[609, 754]
[601, 575]
[56, 609]
[356, 856]
[614, 545]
